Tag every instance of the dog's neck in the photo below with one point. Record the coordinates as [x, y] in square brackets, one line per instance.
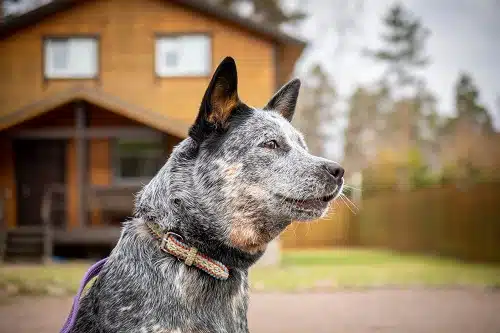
[206, 240]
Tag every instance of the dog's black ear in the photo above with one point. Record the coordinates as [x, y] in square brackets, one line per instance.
[285, 100]
[220, 99]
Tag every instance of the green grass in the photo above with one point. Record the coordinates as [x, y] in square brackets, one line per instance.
[324, 270]
[337, 269]
[56, 279]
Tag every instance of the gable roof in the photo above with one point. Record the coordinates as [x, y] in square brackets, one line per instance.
[11, 25]
[97, 97]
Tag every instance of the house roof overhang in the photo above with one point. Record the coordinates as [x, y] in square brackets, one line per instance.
[97, 97]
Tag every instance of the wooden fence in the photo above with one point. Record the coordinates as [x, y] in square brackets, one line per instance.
[461, 223]
[333, 230]
[447, 221]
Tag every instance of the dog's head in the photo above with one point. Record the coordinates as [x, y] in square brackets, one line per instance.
[250, 167]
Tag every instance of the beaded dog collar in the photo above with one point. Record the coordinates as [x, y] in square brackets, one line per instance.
[171, 243]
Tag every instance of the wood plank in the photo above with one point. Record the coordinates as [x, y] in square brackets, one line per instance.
[71, 185]
[90, 133]
[81, 161]
[100, 172]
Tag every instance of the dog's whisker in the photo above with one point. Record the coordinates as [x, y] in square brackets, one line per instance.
[353, 188]
[352, 203]
[347, 205]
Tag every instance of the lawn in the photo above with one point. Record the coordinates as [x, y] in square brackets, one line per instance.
[348, 268]
[324, 270]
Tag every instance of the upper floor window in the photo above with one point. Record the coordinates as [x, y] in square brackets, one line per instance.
[183, 55]
[70, 58]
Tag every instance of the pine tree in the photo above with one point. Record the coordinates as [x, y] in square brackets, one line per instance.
[468, 141]
[404, 55]
[410, 127]
[404, 41]
[316, 109]
[467, 105]
[365, 127]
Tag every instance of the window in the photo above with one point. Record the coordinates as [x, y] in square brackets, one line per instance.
[138, 160]
[70, 58]
[187, 55]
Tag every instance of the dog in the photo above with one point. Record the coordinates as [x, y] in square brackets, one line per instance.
[239, 179]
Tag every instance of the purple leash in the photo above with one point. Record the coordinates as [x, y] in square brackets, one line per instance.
[91, 273]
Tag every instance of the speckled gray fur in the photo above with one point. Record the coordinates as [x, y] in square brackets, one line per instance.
[223, 189]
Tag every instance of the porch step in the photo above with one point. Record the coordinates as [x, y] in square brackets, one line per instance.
[24, 244]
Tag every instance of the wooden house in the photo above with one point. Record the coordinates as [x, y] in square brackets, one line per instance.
[93, 96]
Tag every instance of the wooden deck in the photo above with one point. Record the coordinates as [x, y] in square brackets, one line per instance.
[40, 242]
[113, 203]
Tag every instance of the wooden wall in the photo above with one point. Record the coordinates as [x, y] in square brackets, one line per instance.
[444, 220]
[126, 30]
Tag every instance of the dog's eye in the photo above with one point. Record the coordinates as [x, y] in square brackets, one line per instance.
[270, 144]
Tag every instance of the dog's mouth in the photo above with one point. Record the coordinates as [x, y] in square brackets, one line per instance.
[312, 204]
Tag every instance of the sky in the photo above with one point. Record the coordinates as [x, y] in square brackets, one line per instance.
[465, 36]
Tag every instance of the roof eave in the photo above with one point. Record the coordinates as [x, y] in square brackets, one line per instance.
[11, 25]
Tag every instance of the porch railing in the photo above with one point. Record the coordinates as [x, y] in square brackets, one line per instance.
[46, 213]
[113, 203]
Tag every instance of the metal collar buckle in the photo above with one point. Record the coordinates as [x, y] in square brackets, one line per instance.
[164, 240]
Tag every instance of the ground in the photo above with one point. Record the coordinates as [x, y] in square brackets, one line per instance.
[378, 310]
[337, 290]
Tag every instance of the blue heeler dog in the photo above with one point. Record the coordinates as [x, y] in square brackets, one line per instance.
[238, 180]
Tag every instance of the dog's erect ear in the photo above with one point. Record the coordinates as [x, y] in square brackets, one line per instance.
[285, 100]
[220, 99]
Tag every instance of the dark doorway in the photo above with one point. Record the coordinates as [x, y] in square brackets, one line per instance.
[38, 164]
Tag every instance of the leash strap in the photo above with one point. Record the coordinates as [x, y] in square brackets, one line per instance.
[91, 273]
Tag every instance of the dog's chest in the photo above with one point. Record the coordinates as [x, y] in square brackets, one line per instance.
[187, 302]
[221, 304]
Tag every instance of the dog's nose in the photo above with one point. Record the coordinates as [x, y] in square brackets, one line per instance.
[335, 170]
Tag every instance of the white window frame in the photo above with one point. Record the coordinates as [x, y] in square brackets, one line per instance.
[92, 70]
[118, 178]
[166, 42]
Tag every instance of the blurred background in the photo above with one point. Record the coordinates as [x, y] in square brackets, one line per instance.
[404, 94]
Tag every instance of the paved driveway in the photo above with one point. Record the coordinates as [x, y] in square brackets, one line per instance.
[402, 311]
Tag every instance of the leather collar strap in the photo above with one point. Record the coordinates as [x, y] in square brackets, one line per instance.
[171, 244]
